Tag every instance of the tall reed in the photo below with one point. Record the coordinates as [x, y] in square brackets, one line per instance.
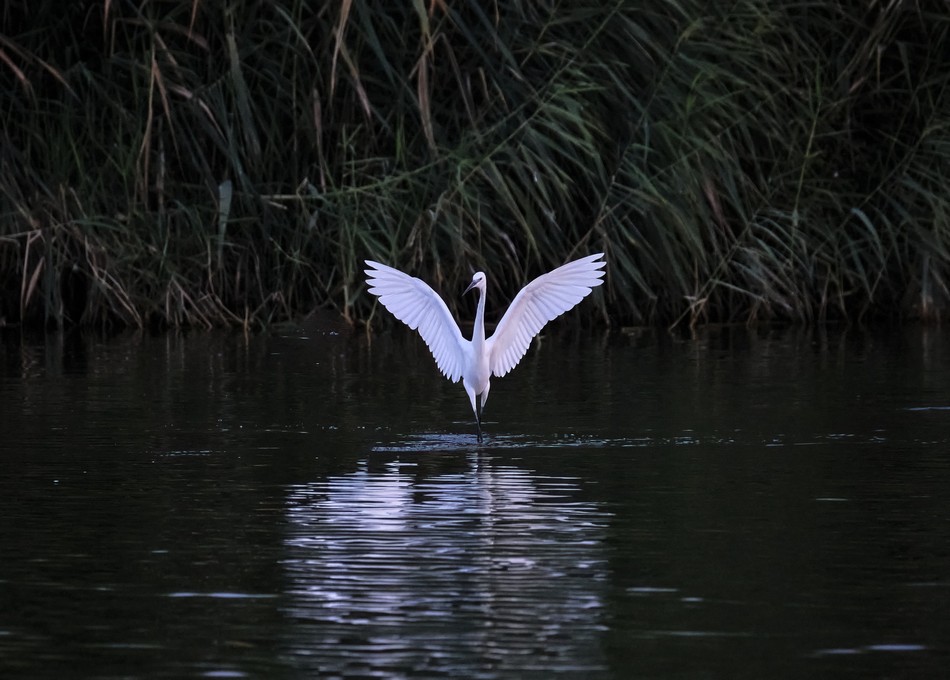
[207, 163]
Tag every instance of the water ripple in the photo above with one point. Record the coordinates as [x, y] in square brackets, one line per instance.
[437, 574]
[443, 442]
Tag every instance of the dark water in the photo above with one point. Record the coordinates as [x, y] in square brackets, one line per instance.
[744, 504]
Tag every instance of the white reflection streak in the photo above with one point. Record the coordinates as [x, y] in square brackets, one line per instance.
[438, 570]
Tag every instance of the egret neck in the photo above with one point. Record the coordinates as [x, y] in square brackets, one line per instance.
[476, 376]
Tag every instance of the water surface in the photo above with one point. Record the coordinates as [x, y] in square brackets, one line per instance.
[746, 503]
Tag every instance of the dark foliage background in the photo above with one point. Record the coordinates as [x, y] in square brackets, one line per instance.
[213, 162]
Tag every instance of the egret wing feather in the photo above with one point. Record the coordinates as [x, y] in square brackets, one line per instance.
[544, 299]
[413, 302]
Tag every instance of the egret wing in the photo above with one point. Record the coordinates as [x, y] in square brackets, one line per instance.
[413, 302]
[542, 300]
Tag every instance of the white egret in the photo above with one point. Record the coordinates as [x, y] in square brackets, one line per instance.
[475, 361]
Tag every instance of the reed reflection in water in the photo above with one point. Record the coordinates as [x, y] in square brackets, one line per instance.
[488, 566]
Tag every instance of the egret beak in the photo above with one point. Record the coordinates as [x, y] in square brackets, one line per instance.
[470, 286]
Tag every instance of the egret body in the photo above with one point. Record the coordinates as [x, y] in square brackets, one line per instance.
[475, 361]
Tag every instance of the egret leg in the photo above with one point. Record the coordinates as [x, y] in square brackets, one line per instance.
[480, 411]
[478, 420]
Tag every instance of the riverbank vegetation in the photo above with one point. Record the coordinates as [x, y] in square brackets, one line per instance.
[233, 162]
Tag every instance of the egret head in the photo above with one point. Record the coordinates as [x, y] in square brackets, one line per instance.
[478, 281]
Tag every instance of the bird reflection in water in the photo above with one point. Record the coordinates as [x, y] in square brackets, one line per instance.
[485, 563]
